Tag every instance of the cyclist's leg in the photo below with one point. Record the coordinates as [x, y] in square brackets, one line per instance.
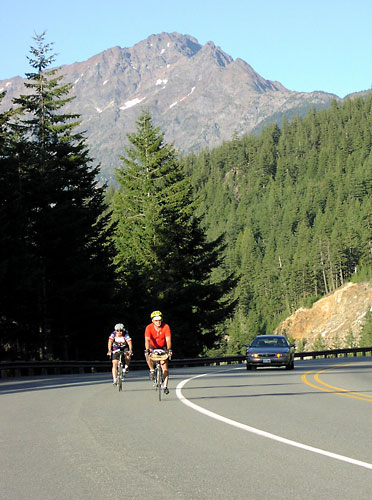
[114, 369]
[164, 367]
[150, 364]
[127, 359]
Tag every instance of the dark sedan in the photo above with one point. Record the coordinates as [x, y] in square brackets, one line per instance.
[270, 350]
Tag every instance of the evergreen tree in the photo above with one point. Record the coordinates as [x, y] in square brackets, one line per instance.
[162, 256]
[350, 340]
[63, 226]
[15, 266]
[319, 344]
[366, 331]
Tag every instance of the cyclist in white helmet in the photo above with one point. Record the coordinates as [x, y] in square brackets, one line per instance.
[119, 340]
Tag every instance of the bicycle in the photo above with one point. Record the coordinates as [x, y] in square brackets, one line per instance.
[120, 375]
[158, 355]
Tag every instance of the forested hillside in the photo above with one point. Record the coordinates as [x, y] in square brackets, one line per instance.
[226, 243]
[295, 206]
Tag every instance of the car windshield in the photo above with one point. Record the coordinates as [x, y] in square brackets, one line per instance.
[269, 342]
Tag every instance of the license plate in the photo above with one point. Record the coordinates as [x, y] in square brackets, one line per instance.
[268, 361]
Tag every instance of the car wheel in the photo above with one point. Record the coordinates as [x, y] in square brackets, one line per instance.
[249, 367]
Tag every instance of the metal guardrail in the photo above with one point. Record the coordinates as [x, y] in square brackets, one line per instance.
[335, 353]
[32, 368]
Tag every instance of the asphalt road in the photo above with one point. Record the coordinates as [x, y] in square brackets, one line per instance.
[221, 433]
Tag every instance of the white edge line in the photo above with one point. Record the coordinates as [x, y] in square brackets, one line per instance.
[259, 432]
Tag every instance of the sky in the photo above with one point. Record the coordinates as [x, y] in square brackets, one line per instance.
[306, 45]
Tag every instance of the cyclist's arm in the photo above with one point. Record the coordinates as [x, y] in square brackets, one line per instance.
[147, 343]
[147, 339]
[168, 338]
[130, 345]
[109, 345]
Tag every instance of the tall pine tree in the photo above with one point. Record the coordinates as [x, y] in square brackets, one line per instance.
[162, 256]
[15, 266]
[63, 226]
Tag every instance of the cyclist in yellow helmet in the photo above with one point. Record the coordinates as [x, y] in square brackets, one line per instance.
[158, 336]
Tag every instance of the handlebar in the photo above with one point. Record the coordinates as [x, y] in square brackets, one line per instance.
[160, 354]
[119, 350]
[159, 351]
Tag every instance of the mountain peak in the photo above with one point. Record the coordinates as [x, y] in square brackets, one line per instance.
[197, 94]
[168, 42]
[218, 55]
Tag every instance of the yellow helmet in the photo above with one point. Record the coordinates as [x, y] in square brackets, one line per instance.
[156, 313]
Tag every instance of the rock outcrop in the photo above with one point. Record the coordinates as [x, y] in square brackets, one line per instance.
[331, 318]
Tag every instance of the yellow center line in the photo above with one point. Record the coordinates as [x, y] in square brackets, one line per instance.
[331, 388]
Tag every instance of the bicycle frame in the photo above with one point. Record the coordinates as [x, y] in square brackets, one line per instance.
[120, 376]
[158, 370]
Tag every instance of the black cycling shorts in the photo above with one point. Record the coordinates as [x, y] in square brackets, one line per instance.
[115, 355]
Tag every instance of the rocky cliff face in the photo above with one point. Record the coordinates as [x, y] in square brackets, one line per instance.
[198, 95]
[331, 317]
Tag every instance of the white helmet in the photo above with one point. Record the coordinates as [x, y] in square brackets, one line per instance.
[119, 327]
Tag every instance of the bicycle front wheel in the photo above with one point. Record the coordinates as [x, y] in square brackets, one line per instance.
[120, 376]
[159, 381]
